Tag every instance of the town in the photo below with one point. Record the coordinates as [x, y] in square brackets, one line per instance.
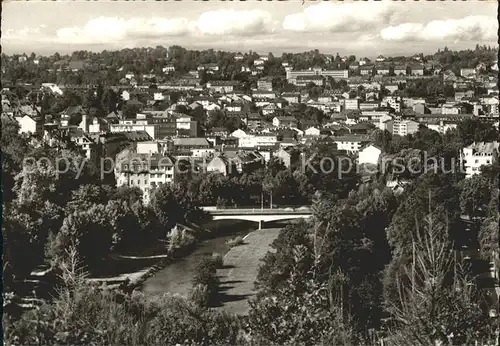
[130, 156]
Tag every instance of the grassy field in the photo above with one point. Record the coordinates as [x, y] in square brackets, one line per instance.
[241, 265]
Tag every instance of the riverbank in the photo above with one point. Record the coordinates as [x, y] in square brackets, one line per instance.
[176, 277]
[241, 266]
[131, 270]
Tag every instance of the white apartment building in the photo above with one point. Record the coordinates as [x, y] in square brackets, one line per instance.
[27, 124]
[158, 127]
[442, 126]
[402, 127]
[369, 155]
[186, 125]
[351, 103]
[350, 143]
[145, 171]
[335, 74]
[260, 140]
[476, 155]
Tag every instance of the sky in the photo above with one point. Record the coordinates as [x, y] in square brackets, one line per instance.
[348, 27]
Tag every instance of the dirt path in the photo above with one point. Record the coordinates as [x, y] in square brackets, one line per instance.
[241, 265]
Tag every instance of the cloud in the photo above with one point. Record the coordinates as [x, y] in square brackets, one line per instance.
[340, 17]
[220, 22]
[233, 22]
[24, 34]
[471, 28]
[112, 29]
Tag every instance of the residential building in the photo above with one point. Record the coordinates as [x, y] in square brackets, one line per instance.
[382, 70]
[400, 70]
[291, 97]
[468, 72]
[186, 126]
[463, 94]
[392, 87]
[287, 156]
[441, 126]
[312, 131]
[221, 164]
[305, 80]
[369, 105]
[366, 70]
[351, 104]
[417, 70]
[476, 155]
[146, 171]
[98, 125]
[258, 140]
[286, 121]
[264, 94]
[168, 68]
[185, 146]
[351, 143]
[292, 75]
[158, 127]
[222, 86]
[403, 127]
[29, 124]
[265, 84]
[369, 155]
[210, 67]
[85, 142]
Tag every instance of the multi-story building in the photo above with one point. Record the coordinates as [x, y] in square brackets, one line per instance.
[351, 104]
[442, 126]
[417, 70]
[186, 126]
[292, 75]
[305, 80]
[467, 72]
[291, 97]
[476, 155]
[158, 127]
[144, 170]
[265, 84]
[260, 140]
[351, 143]
[400, 70]
[383, 70]
[402, 127]
[366, 70]
[222, 86]
[168, 68]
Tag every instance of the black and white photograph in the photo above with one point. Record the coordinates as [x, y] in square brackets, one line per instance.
[250, 173]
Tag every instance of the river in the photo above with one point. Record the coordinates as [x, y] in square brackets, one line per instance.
[176, 277]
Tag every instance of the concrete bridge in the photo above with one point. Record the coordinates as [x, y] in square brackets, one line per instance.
[260, 215]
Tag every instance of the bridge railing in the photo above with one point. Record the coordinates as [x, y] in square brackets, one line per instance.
[259, 211]
[252, 207]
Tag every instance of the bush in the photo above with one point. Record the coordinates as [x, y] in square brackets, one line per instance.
[218, 260]
[179, 239]
[235, 241]
[199, 295]
[206, 274]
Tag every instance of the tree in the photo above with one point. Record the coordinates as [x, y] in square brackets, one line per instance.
[430, 192]
[434, 308]
[301, 312]
[14, 148]
[85, 197]
[90, 232]
[474, 195]
[128, 194]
